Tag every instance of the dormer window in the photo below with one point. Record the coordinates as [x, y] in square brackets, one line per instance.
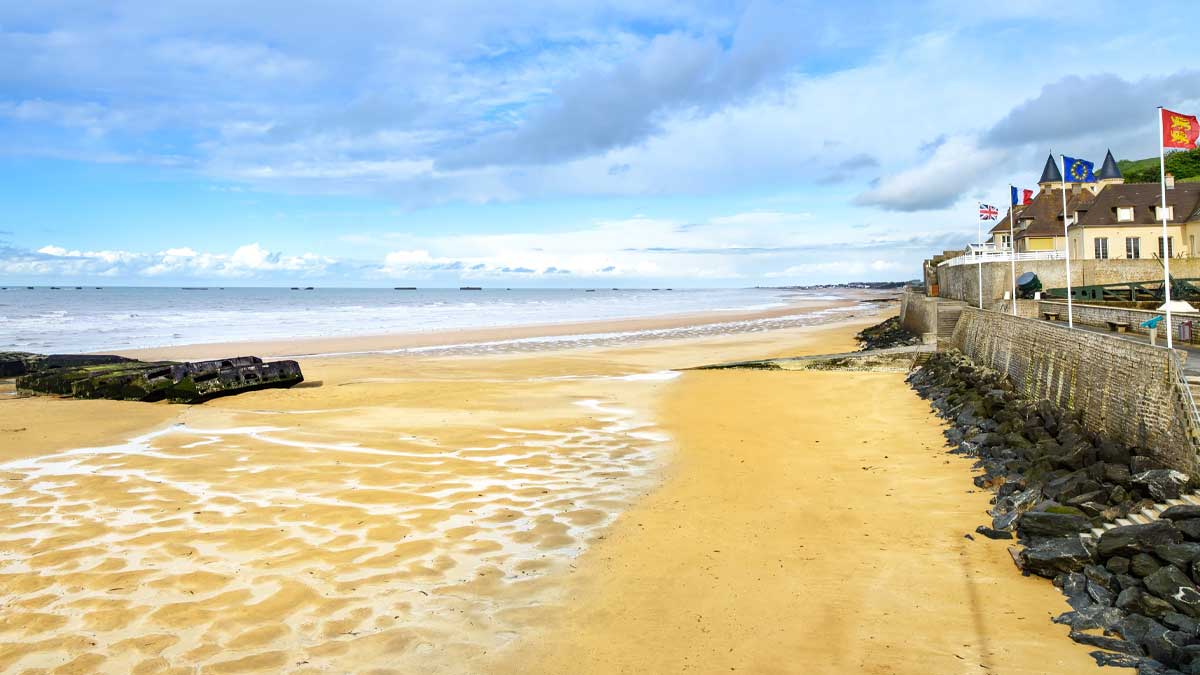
[1124, 214]
[1158, 213]
[1023, 224]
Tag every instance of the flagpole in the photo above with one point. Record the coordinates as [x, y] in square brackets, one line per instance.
[1166, 242]
[1012, 247]
[979, 257]
[1066, 240]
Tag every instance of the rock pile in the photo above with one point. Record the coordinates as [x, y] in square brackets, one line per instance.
[1054, 482]
[886, 334]
[114, 377]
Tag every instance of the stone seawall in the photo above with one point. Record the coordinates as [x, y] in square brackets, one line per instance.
[1123, 390]
[918, 313]
[961, 282]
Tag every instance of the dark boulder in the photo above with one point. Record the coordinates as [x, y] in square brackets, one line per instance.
[1118, 660]
[1190, 528]
[1142, 565]
[1051, 557]
[1172, 585]
[1181, 623]
[1138, 601]
[1090, 618]
[1131, 539]
[993, 534]
[1116, 473]
[1179, 555]
[1045, 524]
[1161, 484]
[1117, 564]
[1181, 512]
[1111, 644]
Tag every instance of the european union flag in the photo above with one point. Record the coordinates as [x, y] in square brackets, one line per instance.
[1078, 170]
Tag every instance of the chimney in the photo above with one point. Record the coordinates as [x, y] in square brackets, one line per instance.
[1170, 180]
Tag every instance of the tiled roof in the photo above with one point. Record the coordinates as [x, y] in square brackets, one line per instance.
[1045, 212]
[1143, 197]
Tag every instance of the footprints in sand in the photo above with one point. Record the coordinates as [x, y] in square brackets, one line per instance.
[282, 548]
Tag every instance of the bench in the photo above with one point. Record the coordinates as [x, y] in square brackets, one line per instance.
[1117, 326]
[1050, 316]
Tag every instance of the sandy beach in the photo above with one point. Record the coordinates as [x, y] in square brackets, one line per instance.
[570, 509]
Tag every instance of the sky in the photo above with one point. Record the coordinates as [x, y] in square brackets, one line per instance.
[564, 143]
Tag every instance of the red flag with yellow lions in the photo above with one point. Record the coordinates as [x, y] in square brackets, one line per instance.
[1179, 131]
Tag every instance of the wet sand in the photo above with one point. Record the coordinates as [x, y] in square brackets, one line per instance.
[579, 510]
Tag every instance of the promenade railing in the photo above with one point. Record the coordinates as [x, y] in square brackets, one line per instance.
[978, 257]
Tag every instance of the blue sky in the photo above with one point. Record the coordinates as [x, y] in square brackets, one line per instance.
[561, 143]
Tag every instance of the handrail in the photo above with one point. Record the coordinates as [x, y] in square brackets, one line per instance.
[1189, 401]
[1001, 256]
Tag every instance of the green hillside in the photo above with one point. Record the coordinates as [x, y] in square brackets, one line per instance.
[1184, 164]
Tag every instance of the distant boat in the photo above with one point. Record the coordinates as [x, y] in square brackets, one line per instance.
[29, 288]
[308, 288]
[656, 289]
[470, 288]
[405, 288]
[55, 288]
[195, 288]
[616, 289]
[99, 288]
[79, 288]
[589, 290]
[295, 288]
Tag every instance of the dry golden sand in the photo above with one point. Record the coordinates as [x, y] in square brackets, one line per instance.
[512, 513]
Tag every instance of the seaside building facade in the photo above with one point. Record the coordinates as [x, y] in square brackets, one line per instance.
[1109, 219]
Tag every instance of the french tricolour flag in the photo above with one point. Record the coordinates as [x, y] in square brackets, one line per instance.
[1020, 196]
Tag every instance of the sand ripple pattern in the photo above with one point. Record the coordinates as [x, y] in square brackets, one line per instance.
[262, 548]
[624, 338]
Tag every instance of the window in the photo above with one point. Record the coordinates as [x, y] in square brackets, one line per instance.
[1170, 247]
[1124, 214]
[1101, 247]
[1133, 247]
[1158, 213]
[1005, 242]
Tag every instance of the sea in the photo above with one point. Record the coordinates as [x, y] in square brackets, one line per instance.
[90, 318]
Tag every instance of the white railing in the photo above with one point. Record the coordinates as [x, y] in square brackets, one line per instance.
[974, 258]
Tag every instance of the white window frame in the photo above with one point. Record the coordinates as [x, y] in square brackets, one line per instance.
[1133, 252]
[1158, 211]
[1124, 214]
[1170, 247]
[1100, 248]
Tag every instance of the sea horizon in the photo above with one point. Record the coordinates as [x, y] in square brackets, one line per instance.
[142, 317]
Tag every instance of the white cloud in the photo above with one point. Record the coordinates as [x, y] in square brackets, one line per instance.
[955, 166]
[249, 261]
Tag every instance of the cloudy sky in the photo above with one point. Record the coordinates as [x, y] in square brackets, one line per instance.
[557, 143]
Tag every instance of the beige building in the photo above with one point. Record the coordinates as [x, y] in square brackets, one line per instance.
[1108, 219]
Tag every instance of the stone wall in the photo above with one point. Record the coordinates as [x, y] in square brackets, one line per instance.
[918, 312]
[1099, 316]
[961, 281]
[1122, 390]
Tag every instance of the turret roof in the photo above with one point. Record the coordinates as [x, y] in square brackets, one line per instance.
[1051, 173]
[1109, 169]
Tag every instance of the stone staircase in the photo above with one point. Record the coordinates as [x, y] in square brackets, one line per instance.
[1146, 515]
[948, 312]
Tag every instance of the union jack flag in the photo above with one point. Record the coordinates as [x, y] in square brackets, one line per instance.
[988, 212]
